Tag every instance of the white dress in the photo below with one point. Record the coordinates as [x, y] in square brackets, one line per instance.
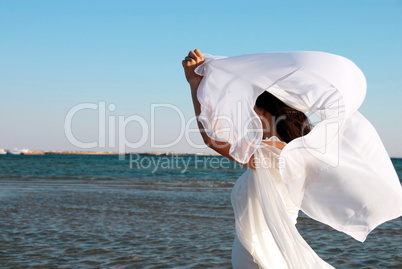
[339, 174]
[266, 235]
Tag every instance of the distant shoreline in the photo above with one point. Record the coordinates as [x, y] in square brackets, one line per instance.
[104, 153]
[100, 153]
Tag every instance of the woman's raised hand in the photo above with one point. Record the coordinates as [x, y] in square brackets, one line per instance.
[190, 63]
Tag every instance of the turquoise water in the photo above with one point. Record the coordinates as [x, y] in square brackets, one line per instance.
[164, 212]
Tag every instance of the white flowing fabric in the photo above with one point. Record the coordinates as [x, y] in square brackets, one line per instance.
[338, 174]
[266, 218]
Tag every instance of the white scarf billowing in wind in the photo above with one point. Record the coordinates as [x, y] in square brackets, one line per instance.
[339, 174]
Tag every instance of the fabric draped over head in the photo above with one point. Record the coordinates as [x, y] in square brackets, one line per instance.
[340, 173]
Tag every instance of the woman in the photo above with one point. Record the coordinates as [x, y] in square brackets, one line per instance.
[239, 94]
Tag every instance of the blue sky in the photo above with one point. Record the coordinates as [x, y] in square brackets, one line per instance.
[55, 55]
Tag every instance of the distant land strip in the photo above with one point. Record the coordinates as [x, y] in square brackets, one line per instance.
[59, 152]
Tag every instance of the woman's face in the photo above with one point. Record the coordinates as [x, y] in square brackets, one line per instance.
[267, 122]
[259, 111]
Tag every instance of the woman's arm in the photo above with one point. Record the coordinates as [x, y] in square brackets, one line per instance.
[190, 63]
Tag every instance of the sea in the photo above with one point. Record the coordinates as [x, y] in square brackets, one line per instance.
[146, 211]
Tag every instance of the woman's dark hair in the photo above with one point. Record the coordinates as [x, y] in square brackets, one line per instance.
[290, 123]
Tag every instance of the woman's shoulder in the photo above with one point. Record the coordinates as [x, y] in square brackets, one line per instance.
[275, 142]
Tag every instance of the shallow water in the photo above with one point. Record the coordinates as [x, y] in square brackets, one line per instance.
[94, 211]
